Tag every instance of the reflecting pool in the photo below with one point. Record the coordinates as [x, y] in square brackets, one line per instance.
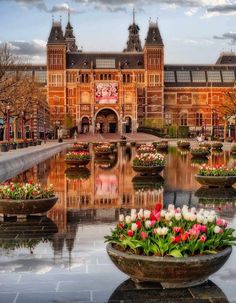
[62, 257]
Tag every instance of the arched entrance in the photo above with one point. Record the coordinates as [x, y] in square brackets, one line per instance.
[106, 121]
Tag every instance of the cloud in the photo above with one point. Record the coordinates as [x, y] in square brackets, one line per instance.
[231, 36]
[33, 51]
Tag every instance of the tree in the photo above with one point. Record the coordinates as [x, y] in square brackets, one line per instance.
[17, 91]
[228, 108]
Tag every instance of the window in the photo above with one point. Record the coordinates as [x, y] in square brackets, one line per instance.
[199, 76]
[40, 76]
[228, 76]
[154, 80]
[199, 119]
[183, 76]
[105, 63]
[126, 78]
[214, 76]
[56, 80]
[168, 119]
[84, 78]
[140, 78]
[183, 119]
[169, 76]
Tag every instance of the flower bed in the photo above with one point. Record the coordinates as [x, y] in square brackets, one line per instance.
[205, 145]
[177, 247]
[79, 147]
[149, 163]
[219, 176]
[183, 144]
[200, 152]
[103, 148]
[26, 198]
[78, 158]
[217, 145]
[161, 145]
[146, 148]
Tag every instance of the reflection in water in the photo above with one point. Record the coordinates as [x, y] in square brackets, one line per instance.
[152, 292]
[97, 193]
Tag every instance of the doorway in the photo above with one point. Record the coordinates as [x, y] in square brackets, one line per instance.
[106, 121]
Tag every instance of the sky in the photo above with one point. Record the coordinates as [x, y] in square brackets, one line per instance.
[193, 31]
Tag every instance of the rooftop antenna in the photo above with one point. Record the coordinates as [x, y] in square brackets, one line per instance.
[150, 20]
[133, 15]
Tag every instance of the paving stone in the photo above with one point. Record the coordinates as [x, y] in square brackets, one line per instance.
[28, 287]
[7, 298]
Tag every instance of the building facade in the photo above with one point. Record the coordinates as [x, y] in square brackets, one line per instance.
[118, 92]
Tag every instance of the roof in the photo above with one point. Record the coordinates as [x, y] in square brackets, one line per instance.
[56, 35]
[124, 60]
[227, 58]
[199, 75]
[154, 35]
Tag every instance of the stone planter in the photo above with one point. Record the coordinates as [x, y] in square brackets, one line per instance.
[147, 182]
[170, 272]
[74, 173]
[77, 162]
[20, 145]
[25, 144]
[4, 148]
[183, 145]
[224, 181]
[27, 207]
[39, 142]
[13, 146]
[149, 169]
[78, 148]
[203, 154]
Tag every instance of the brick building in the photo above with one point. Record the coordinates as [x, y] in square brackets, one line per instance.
[117, 92]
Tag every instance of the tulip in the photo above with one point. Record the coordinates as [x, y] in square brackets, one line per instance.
[130, 233]
[178, 216]
[121, 218]
[147, 214]
[143, 235]
[203, 238]
[139, 224]
[133, 227]
[127, 219]
[217, 230]
[147, 224]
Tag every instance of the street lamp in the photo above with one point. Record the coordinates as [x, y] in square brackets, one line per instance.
[22, 125]
[31, 126]
[8, 124]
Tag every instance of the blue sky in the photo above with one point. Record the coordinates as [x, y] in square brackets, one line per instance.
[193, 31]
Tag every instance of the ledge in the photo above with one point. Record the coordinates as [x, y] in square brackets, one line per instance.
[13, 163]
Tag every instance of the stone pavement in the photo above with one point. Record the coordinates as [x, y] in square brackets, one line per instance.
[74, 267]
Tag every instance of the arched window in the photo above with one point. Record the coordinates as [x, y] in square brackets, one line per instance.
[168, 118]
[199, 119]
[184, 119]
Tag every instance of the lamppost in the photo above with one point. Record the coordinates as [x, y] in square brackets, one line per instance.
[8, 124]
[31, 126]
[22, 125]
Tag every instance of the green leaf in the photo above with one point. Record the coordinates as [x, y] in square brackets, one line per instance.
[176, 253]
[212, 252]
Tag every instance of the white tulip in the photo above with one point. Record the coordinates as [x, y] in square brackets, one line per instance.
[217, 230]
[178, 216]
[163, 213]
[147, 224]
[211, 218]
[164, 231]
[127, 219]
[133, 226]
[121, 218]
[171, 207]
[200, 218]
[133, 218]
[192, 217]
[140, 214]
[133, 212]
[147, 214]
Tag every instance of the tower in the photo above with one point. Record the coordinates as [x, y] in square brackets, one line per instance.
[56, 67]
[69, 37]
[133, 43]
[154, 74]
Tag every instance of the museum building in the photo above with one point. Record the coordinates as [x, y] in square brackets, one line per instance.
[118, 91]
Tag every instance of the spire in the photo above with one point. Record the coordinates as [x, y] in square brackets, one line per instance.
[133, 43]
[153, 35]
[56, 34]
[69, 36]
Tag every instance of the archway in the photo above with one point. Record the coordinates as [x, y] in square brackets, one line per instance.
[106, 121]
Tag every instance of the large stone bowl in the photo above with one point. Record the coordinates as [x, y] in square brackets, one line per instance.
[152, 170]
[210, 181]
[183, 145]
[77, 162]
[27, 207]
[170, 272]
